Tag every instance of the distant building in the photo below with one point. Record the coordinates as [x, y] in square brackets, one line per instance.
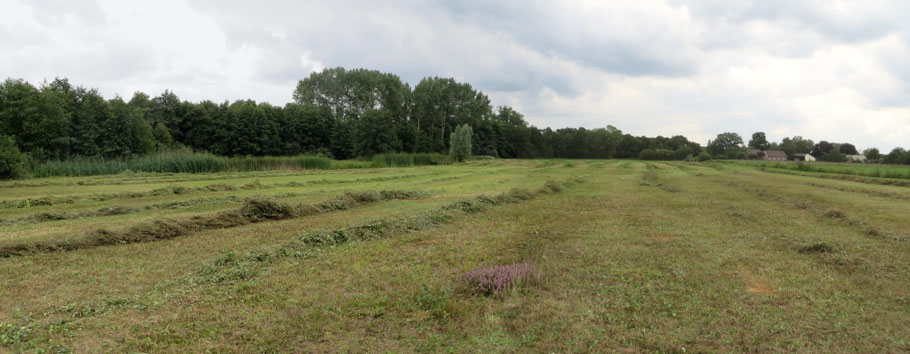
[775, 155]
[857, 158]
[803, 157]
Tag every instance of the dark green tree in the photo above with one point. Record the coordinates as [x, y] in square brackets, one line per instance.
[848, 149]
[163, 139]
[602, 142]
[898, 156]
[341, 144]
[304, 129]
[728, 145]
[821, 148]
[872, 154]
[10, 158]
[441, 104]
[86, 123]
[759, 141]
[167, 110]
[796, 145]
[126, 132]
[833, 155]
[375, 133]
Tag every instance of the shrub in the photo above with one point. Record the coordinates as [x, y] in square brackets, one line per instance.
[495, 280]
[833, 156]
[438, 302]
[682, 153]
[656, 155]
[704, 156]
[10, 158]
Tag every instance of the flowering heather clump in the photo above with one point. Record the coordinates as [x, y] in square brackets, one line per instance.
[495, 280]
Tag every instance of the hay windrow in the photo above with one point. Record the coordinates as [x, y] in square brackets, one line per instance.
[122, 210]
[253, 210]
[232, 266]
[834, 215]
[180, 190]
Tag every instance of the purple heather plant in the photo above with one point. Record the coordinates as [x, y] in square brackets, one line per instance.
[495, 280]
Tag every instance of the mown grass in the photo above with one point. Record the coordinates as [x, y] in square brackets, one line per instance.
[733, 259]
[881, 171]
[253, 210]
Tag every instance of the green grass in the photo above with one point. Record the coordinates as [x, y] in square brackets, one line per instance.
[407, 160]
[630, 256]
[192, 162]
[178, 162]
[882, 171]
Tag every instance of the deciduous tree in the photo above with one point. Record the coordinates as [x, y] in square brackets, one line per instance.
[759, 141]
[460, 143]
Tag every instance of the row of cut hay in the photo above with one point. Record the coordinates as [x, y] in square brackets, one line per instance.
[169, 190]
[253, 210]
[179, 190]
[232, 266]
[121, 210]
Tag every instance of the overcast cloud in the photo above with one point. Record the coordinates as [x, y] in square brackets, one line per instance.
[835, 70]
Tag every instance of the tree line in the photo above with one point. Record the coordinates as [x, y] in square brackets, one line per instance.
[730, 146]
[336, 113]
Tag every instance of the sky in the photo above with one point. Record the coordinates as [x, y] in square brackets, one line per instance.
[825, 70]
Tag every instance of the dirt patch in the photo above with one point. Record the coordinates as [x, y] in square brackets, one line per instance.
[754, 284]
[660, 238]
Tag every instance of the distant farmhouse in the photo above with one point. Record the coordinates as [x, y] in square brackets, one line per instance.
[775, 155]
[803, 157]
[857, 158]
[772, 155]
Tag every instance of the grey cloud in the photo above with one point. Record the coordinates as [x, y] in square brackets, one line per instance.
[815, 23]
[644, 51]
[281, 59]
[410, 40]
[56, 12]
[648, 66]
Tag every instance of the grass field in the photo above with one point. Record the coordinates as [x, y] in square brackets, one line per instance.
[607, 256]
[870, 170]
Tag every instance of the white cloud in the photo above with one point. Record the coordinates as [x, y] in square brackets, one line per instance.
[832, 70]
